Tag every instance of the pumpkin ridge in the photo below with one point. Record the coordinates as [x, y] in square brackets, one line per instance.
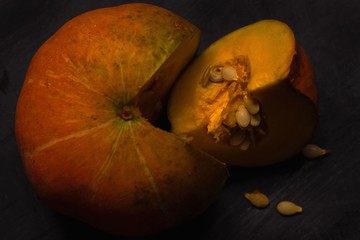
[77, 77]
[72, 98]
[122, 80]
[148, 174]
[77, 134]
[105, 166]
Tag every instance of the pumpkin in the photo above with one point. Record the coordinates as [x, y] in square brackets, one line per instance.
[86, 122]
[249, 99]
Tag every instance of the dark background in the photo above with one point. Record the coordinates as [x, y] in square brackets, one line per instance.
[327, 188]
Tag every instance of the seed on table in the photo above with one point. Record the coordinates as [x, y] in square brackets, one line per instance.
[313, 151]
[257, 198]
[288, 208]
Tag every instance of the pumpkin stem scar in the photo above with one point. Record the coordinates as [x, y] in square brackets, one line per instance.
[126, 114]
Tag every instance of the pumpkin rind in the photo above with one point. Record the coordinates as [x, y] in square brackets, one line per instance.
[83, 157]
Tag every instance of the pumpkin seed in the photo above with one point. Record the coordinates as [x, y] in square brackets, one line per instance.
[245, 144]
[251, 105]
[257, 198]
[313, 151]
[238, 138]
[215, 75]
[242, 116]
[288, 208]
[255, 120]
[229, 73]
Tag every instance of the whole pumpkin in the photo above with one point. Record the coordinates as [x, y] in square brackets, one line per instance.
[85, 115]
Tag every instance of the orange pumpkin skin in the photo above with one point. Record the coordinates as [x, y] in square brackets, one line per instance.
[84, 154]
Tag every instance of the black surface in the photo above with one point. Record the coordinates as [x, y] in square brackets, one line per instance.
[327, 188]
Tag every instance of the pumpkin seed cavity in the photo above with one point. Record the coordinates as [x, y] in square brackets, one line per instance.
[239, 120]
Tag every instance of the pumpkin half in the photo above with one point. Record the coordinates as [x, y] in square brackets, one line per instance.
[249, 99]
[84, 122]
